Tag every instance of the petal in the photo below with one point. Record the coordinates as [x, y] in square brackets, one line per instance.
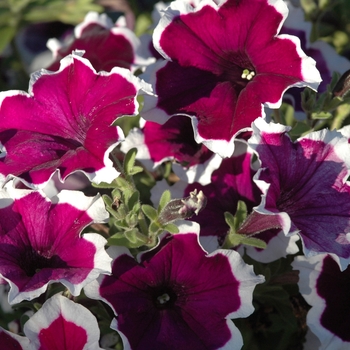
[63, 324]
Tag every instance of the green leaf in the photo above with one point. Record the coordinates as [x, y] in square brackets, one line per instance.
[254, 242]
[133, 200]
[171, 228]
[150, 212]
[6, 35]
[299, 129]
[128, 239]
[104, 185]
[321, 115]
[108, 200]
[135, 170]
[154, 228]
[230, 220]
[164, 200]
[129, 161]
[132, 219]
[116, 194]
[121, 183]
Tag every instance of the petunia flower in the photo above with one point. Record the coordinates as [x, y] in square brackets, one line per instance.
[304, 188]
[176, 296]
[217, 72]
[326, 289]
[59, 324]
[40, 242]
[106, 45]
[65, 122]
[327, 59]
[173, 140]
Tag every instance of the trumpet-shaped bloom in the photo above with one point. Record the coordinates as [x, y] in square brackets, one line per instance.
[106, 45]
[217, 72]
[64, 122]
[326, 289]
[304, 188]
[59, 324]
[176, 296]
[40, 242]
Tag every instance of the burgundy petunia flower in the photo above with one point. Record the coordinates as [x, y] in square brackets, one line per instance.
[173, 140]
[326, 289]
[217, 72]
[177, 296]
[106, 45]
[64, 123]
[304, 188]
[59, 324]
[40, 242]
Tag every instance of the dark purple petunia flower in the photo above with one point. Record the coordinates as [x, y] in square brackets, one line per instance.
[106, 45]
[326, 289]
[177, 296]
[304, 188]
[64, 123]
[40, 242]
[59, 324]
[217, 72]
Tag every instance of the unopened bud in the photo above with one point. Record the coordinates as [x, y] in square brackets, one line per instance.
[183, 208]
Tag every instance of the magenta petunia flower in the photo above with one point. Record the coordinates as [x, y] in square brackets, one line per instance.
[176, 296]
[173, 140]
[304, 188]
[59, 324]
[217, 72]
[65, 122]
[40, 242]
[326, 289]
[106, 45]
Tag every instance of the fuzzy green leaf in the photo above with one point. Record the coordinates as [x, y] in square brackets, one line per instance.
[164, 200]
[129, 161]
[254, 242]
[135, 170]
[171, 228]
[150, 212]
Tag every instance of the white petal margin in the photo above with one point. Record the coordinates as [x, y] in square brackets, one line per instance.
[91, 290]
[223, 148]
[55, 307]
[310, 74]
[248, 280]
[310, 270]
[102, 263]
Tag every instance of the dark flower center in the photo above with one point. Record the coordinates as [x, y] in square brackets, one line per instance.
[31, 262]
[237, 69]
[164, 298]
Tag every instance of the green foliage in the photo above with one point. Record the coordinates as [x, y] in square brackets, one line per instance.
[233, 238]
[14, 14]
